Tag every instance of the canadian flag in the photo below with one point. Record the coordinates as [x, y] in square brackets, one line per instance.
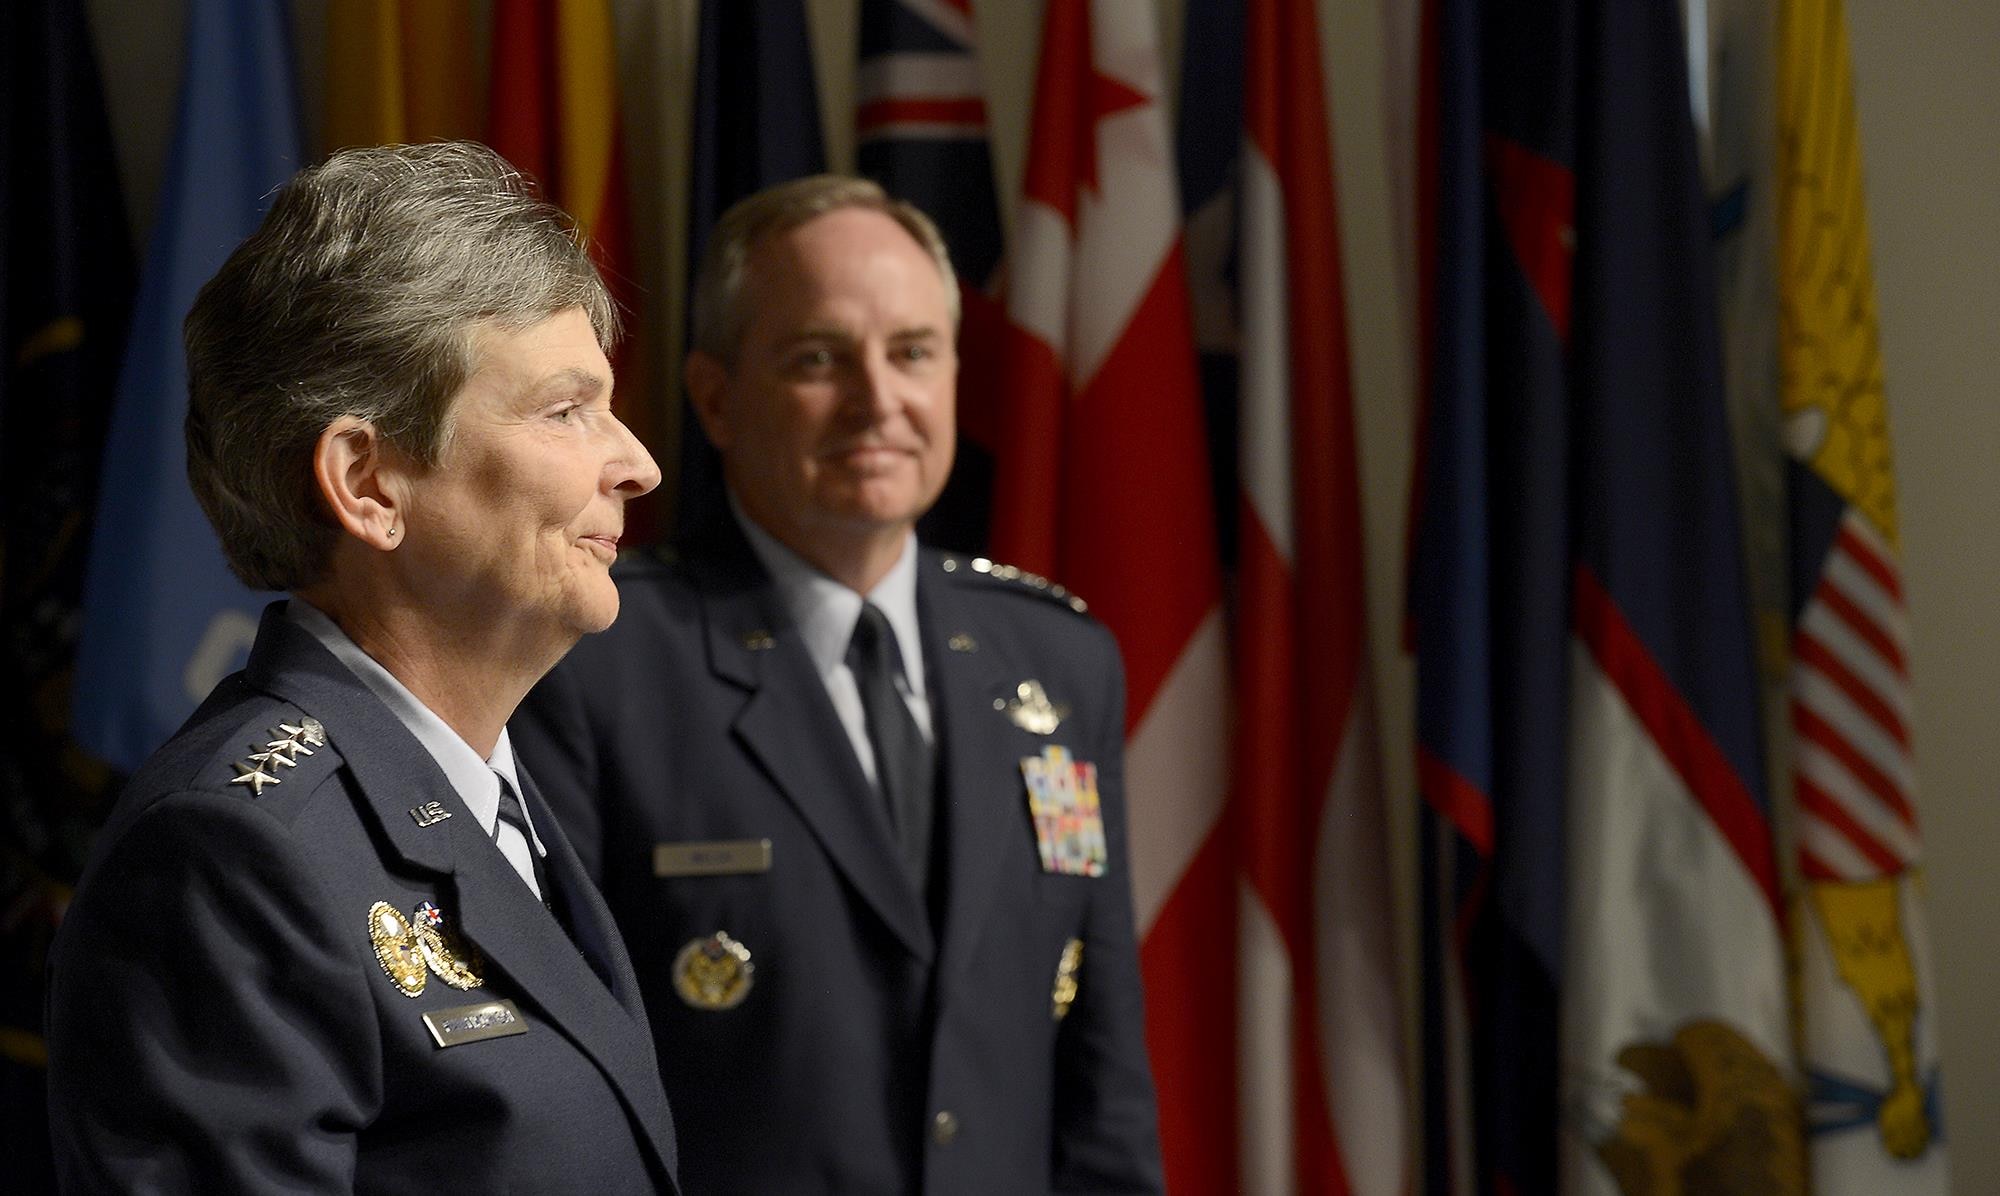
[1102, 482]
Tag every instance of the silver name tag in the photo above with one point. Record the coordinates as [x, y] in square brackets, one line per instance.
[475, 1023]
[716, 857]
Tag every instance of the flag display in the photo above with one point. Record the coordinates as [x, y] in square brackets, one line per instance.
[553, 113]
[399, 72]
[756, 122]
[1870, 1023]
[1103, 485]
[163, 618]
[1606, 1006]
[920, 128]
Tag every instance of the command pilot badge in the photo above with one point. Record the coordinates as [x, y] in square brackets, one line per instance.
[1069, 823]
[713, 973]
[1031, 709]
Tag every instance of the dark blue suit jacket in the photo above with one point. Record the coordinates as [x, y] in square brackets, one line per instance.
[219, 1020]
[885, 1046]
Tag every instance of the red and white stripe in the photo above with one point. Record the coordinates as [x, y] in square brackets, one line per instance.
[924, 94]
[1102, 483]
[1855, 773]
[1319, 1048]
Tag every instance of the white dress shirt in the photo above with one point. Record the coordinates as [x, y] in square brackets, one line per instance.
[477, 781]
[825, 612]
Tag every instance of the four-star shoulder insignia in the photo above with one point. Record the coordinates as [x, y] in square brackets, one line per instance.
[1021, 577]
[282, 751]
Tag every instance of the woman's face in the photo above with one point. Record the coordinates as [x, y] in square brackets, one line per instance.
[520, 519]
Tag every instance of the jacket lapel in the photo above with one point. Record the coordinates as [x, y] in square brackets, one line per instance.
[495, 910]
[788, 726]
[983, 791]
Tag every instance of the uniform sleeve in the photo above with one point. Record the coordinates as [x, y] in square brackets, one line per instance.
[209, 1030]
[1106, 1123]
[552, 737]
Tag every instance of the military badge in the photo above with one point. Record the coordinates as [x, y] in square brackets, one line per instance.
[1069, 820]
[1031, 710]
[259, 769]
[1066, 968]
[397, 948]
[713, 973]
[451, 959]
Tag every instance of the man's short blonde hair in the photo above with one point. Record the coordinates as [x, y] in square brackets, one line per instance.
[720, 314]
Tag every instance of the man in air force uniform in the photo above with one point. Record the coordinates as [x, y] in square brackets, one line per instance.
[857, 805]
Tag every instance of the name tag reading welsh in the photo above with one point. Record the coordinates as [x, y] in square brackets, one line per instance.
[475, 1023]
[713, 857]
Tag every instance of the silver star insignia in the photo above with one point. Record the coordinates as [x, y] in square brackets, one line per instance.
[255, 777]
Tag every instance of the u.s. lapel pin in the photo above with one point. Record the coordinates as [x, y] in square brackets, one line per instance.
[1032, 711]
[759, 640]
[430, 813]
[961, 642]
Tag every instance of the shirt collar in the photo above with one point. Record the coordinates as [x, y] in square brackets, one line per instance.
[825, 611]
[476, 781]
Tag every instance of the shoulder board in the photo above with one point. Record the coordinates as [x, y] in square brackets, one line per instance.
[1019, 579]
[259, 758]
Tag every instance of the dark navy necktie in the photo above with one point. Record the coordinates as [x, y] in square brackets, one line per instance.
[905, 766]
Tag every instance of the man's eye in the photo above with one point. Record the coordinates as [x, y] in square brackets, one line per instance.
[564, 414]
[918, 353]
[814, 359]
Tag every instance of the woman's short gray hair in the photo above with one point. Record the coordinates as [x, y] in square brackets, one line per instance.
[360, 295]
[720, 314]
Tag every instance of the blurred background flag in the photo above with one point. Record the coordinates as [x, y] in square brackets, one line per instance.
[1103, 485]
[399, 71]
[1870, 1020]
[756, 122]
[164, 620]
[67, 269]
[1321, 1047]
[1608, 1009]
[553, 112]
[920, 129]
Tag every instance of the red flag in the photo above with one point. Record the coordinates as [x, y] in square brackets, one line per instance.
[1102, 483]
[1322, 1077]
[554, 114]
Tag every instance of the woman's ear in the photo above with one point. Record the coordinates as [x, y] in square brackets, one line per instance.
[360, 478]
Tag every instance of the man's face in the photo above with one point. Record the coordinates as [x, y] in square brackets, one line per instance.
[837, 417]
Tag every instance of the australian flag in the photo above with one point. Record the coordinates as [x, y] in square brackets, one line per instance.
[920, 128]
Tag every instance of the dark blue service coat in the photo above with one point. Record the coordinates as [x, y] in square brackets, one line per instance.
[886, 1043]
[219, 1020]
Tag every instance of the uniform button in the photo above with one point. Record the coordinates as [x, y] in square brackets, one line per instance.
[944, 1127]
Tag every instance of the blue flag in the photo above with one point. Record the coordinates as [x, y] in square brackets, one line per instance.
[1602, 925]
[756, 122]
[163, 618]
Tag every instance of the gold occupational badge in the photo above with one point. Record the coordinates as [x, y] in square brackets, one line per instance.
[1065, 991]
[397, 948]
[449, 956]
[713, 973]
[1032, 711]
